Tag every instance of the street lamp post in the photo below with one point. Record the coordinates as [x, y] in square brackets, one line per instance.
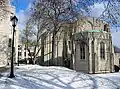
[14, 21]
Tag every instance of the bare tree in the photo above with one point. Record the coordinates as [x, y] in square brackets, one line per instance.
[51, 15]
[57, 13]
[32, 35]
[111, 12]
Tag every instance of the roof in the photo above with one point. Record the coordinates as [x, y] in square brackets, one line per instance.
[116, 49]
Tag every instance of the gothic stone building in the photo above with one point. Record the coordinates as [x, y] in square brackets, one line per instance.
[93, 51]
[85, 45]
[6, 11]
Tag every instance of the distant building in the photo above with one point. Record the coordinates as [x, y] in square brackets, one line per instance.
[117, 56]
[23, 54]
[6, 11]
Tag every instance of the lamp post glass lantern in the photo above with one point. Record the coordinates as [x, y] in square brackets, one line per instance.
[14, 21]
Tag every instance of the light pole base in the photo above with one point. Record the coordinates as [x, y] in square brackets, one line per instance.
[11, 76]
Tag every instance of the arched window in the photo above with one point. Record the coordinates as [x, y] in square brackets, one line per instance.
[106, 28]
[92, 47]
[82, 51]
[102, 50]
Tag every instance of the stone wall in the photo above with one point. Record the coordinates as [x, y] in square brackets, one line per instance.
[6, 11]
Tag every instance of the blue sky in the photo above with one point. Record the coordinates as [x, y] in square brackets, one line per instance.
[22, 11]
[21, 4]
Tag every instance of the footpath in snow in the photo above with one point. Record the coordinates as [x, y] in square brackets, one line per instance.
[38, 77]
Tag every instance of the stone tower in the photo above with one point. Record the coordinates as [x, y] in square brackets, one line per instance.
[6, 11]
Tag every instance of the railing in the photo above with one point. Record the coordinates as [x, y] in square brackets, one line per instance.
[86, 35]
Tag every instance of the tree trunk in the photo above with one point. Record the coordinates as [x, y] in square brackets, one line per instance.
[34, 60]
[64, 51]
[25, 53]
[42, 51]
[72, 54]
[31, 60]
[53, 49]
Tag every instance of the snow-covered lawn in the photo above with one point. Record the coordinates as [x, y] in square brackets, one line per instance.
[38, 77]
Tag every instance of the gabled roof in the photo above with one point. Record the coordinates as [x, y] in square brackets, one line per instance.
[116, 49]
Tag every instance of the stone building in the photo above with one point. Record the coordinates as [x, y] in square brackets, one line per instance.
[6, 11]
[23, 54]
[117, 56]
[97, 56]
[85, 45]
[93, 48]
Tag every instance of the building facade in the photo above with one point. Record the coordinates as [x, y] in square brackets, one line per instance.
[93, 48]
[6, 11]
[93, 52]
[85, 45]
[117, 56]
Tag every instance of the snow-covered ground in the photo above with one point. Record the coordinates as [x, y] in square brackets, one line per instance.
[38, 77]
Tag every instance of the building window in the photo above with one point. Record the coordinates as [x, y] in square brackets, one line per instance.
[19, 47]
[9, 44]
[92, 47]
[25, 48]
[24, 53]
[102, 50]
[19, 54]
[82, 51]
[105, 28]
[69, 44]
